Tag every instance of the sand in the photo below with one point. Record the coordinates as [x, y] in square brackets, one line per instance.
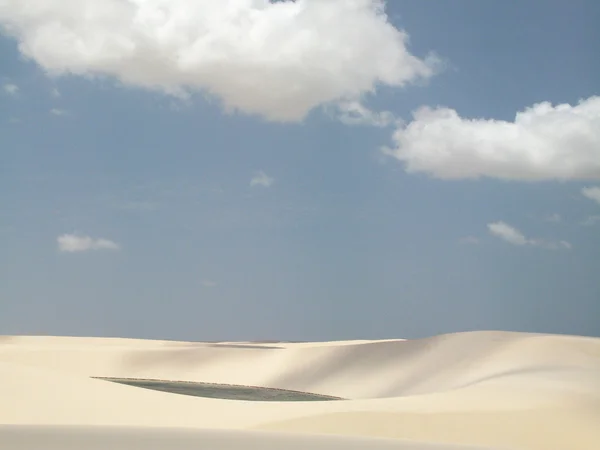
[484, 390]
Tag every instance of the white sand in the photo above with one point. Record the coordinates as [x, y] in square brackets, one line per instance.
[481, 389]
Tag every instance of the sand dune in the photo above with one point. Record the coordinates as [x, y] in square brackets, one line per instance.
[122, 438]
[484, 389]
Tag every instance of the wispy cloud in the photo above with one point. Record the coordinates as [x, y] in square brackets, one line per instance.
[55, 93]
[59, 112]
[513, 236]
[10, 89]
[261, 44]
[469, 240]
[553, 218]
[552, 245]
[544, 142]
[72, 243]
[591, 221]
[355, 113]
[593, 193]
[140, 206]
[507, 233]
[261, 179]
[208, 283]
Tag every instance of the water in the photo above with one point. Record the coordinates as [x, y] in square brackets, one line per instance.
[223, 391]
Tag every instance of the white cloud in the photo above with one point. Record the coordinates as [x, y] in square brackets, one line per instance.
[10, 89]
[544, 142]
[261, 179]
[55, 93]
[554, 218]
[593, 193]
[208, 283]
[591, 220]
[469, 240]
[72, 243]
[58, 112]
[275, 59]
[558, 245]
[140, 206]
[513, 236]
[507, 233]
[355, 113]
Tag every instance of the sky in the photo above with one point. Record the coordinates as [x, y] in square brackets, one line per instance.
[308, 170]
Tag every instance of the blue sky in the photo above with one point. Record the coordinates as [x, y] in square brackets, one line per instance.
[127, 200]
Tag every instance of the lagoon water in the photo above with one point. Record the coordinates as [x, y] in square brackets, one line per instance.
[222, 391]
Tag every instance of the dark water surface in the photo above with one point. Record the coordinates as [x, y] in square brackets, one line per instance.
[223, 391]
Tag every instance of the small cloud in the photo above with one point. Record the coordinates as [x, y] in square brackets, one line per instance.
[140, 206]
[262, 179]
[553, 218]
[59, 112]
[469, 240]
[507, 233]
[591, 221]
[513, 236]
[11, 89]
[208, 283]
[593, 193]
[55, 93]
[14, 120]
[564, 245]
[72, 243]
[355, 113]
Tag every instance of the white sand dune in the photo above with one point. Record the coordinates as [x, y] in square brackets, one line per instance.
[480, 389]
[126, 438]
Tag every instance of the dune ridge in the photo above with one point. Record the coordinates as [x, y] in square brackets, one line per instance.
[490, 389]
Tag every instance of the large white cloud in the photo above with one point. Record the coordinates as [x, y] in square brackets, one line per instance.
[544, 142]
[276, 59]
[72, 243]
